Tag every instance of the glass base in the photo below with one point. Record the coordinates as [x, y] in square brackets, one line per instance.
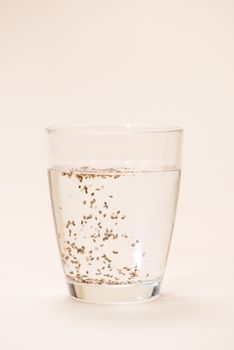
[105, 294]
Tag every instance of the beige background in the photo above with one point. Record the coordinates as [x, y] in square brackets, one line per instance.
[116, 61]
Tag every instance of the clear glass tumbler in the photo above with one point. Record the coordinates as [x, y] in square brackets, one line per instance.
[114, 194]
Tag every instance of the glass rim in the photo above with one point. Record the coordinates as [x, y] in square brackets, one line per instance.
[119, 129]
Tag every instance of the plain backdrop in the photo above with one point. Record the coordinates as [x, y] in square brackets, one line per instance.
[98, 62]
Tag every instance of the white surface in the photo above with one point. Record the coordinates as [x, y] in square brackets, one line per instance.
[161, 62]
[195, 311]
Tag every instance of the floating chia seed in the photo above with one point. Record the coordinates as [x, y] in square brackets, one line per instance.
[105, 245]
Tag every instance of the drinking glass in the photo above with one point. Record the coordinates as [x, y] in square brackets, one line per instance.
[114, 194]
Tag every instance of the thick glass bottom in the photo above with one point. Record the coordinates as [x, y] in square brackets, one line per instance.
[112, 294]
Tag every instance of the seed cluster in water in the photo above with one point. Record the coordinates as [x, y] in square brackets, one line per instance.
[89, 249]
